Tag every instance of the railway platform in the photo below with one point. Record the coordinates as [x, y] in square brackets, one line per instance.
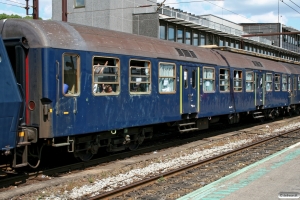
[275, 177]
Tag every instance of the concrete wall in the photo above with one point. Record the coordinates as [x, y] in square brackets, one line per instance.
[146, 24]
[109, 14]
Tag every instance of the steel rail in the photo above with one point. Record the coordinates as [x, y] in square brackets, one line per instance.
[148, 181]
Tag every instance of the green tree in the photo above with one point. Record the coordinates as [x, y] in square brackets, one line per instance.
[5, 16]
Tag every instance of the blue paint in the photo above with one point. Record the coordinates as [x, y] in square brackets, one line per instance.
[215, 191]
[10, 102]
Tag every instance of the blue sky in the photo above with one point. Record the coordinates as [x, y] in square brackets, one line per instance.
[238, 11]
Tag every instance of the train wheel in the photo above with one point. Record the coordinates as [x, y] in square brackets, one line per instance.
[84, 155]
[133, 146]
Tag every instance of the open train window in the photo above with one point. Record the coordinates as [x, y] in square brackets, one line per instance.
[106, 77]
[237, 81]
[167, 78]
[284, 83]
[269, 82]
[208, 79]
[71, 74]
[140, 77]
[224, 80]
[277, 82]
[249, 81]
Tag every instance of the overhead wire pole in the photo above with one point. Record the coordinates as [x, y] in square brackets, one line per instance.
[35, 9]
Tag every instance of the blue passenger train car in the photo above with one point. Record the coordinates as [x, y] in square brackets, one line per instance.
[82, 88]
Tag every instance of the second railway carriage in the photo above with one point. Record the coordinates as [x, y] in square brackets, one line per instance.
[82, 88]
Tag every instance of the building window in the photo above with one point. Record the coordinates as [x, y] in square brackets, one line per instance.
[106, 77]
[202, 39]
[195, 39]
[249, 81]
[180, 35]
[79, 3]
[171, 33]
[140, 77]
[284, 83]
[277, 82]
[188, 37]
[269, 82]
[167, 77]
[221, 42]
[162, 32]
[71, 74]
[237, 81]
[208, 79]
[224, 80]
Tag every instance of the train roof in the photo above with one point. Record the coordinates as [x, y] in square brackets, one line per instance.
[63, 35]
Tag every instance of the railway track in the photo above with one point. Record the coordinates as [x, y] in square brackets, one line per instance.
[178, 182]
[163, 142]
[60, 171]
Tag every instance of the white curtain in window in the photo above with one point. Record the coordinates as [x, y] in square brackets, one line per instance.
[166, 84]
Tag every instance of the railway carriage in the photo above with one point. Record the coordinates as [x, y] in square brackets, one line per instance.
[81, 88]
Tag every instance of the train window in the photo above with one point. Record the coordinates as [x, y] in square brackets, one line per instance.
[167, 77]
[224, 80]
[106, 77]
[237, 81]
[140, 77]
[208, 79]
[79, 3]
[289, 84]
[298, 82]
[186, 78]
[295, 83]
[249, 82]
[71, 74]
[194, 78]
[277, 82]
[284, 83]
[269, 82]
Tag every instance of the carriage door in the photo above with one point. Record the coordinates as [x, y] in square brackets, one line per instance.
[189, 89]
[68, 91]
[293, 88]
[259, 88]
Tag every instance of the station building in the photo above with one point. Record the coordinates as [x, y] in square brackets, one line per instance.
[144, 17]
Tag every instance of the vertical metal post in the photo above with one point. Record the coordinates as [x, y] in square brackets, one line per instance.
[27, 7]
[35, 9]
[64, 10]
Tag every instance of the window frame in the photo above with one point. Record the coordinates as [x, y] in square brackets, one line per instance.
[161, 77]
[240, 79]
[77, 75]
[298, 82]
[224, 79]
[79, 6]
[269, 81]
[213, 78]
[277, 81]
[117, 66]
[284, 76]
[149, 76]
[250, 81]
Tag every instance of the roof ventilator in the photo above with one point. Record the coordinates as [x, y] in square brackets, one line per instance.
[257, 64]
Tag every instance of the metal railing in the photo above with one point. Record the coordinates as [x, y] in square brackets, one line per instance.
[210, 24]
